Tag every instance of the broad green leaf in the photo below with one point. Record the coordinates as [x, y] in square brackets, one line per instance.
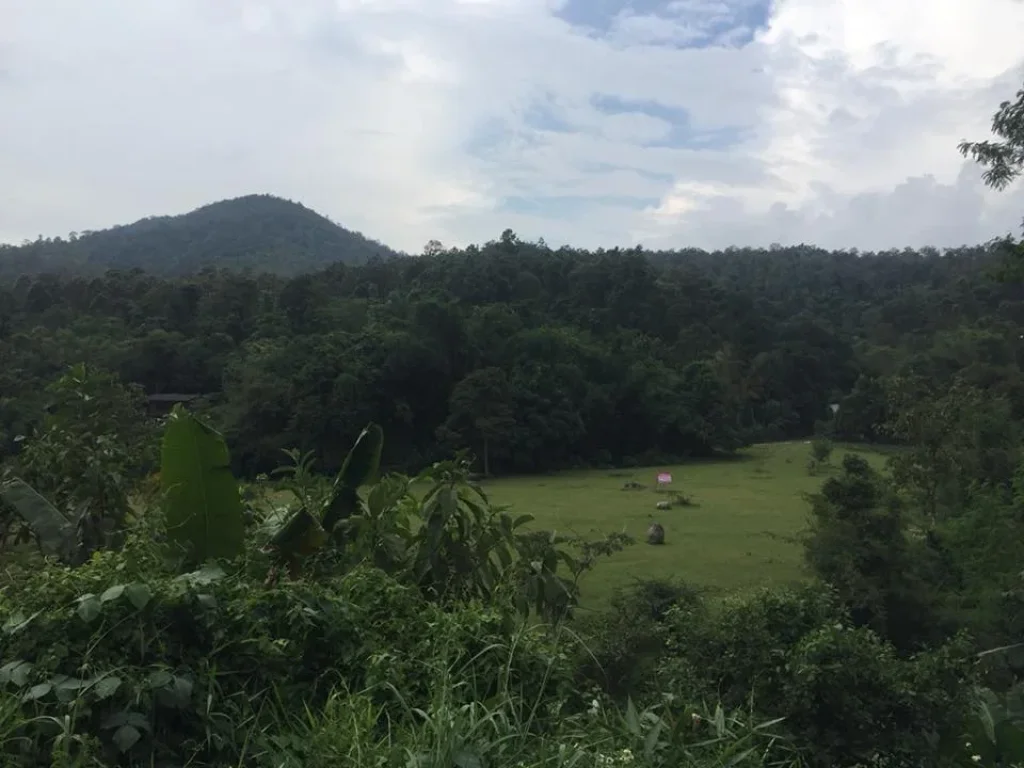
[126, 737]
[126, 717]
[178, 694]
[159, 679]
[37, 692]
[138, 595]
[112, 594]
[204, 509]
[89, 608]
[67, 688]
[360, 467]
[363, 461]
[16, 672]
[18, 622]
[52, 529]
[107, 686]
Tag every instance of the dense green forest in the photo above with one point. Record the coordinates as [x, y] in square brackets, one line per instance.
[164, 602]
[258, 232]
[538, 359]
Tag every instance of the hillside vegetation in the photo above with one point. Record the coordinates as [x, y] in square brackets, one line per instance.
[533, 359]
[256, 232]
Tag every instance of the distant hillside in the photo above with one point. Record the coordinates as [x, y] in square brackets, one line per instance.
[261, 232]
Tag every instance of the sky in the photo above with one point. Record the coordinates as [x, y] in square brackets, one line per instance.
[665, 123]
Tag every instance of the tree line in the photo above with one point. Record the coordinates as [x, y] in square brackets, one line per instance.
[533, 359]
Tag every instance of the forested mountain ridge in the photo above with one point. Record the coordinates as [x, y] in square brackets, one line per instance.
[542, 358]
[258, 232]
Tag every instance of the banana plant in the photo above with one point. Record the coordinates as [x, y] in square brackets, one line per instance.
[204, 507]
[360, 468]
[54, 531]
[307, 530]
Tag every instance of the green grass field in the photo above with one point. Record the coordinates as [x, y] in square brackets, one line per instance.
[741, 533]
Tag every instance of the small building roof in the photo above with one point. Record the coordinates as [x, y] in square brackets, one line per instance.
[173, 398]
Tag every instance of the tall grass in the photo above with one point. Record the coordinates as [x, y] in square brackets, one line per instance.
[465, 727]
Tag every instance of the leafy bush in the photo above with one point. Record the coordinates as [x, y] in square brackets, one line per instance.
[89, 454]
[153, 665]
[626, 644]
[846, 695]
[821, 454]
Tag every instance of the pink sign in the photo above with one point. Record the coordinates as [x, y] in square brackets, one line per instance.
[664, 477]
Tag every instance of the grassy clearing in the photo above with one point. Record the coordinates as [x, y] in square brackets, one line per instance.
[741, 533]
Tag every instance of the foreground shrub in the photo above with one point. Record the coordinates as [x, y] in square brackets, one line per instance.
[625, 645]
[847, 697]
[119, 660]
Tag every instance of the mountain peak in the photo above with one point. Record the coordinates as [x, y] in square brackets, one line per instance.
[258, 231]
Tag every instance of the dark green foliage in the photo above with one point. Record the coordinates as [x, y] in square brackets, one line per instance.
[821, 449]
[995, 734]
[359, 469]
[858, 543]
[1003, 160]
[88, 455]
[960, 439]
[845, 692]
[848, 698]
[183, 667]
[258, 232]
[53, 531]
[443, 354]
[463, 548]
[550, 567]
[262, 649]
[628, 642]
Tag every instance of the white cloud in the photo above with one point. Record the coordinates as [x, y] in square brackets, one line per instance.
[846, 117]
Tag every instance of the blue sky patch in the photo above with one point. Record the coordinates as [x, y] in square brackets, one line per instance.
[695, 23]
[543, 115]
[682, 134]
[599, 168]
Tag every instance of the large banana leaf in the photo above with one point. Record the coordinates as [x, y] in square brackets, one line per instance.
[360, 467]
[204, 509]
[53, 530]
